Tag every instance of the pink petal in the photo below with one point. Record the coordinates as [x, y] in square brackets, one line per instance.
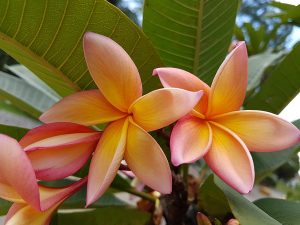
[178, 78]
[51, 130]
[107, 159]
[191, 138]
[229, 86]
[146, 160]
[16, 173]
[23, 214]
[162, 107]
[261, 131]
[85, 107]
[112, 70]
[230, 159]
[55, 152]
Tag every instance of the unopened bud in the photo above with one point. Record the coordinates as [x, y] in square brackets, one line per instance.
[233, 222]
[202, 219]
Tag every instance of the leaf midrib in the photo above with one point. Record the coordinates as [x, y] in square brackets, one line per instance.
[198, 37]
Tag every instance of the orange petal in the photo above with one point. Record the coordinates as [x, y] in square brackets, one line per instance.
[107, 159]
[17, 178]
[261, 131]
[178, 78]
[146, 160]
[113, 70]
[190, 140]
[85, 107]
[230, 159]
[230, 83]
[162, 107]
[23, 214]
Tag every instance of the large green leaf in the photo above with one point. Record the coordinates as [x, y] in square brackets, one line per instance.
[245, 211]
[23, 95]
[193, 35]
[280, 87]
[264, 166]
[104, 216]
[46, 36]
[286, 212]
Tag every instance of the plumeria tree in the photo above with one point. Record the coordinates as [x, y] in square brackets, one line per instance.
[175, 114]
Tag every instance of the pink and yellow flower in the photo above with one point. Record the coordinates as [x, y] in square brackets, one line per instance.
[218, 131]
[130, 115]
[33, 204]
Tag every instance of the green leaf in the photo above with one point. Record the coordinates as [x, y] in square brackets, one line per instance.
[212, 201]
[191, 35]
[23, 95]
[4, 206]
[244, 211]
[257, 64]
[15, 132]
[286, 212]
[46, 37]
[30, 78]
[104, 216]
[264, 166]
[280, 87]
[13, 116]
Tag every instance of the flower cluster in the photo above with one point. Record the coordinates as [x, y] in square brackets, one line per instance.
[209, 125]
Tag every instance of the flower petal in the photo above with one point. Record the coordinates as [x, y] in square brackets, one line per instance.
[190, 140]
[107, 159]
[230, 159]
[24, 214]
[61, 156]
[51, 130]
[85, 107]
[229, 86]
[162, 107]
[146, 160]
[113, 70]
[16, 173]
[178, 78]
[261, 131]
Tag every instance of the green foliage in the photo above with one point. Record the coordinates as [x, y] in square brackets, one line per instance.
[286, 212]
[24, 96]
[104, 216]
[289, 13]
[15, 132]
[257, 66]
[244, 211]
[4, 206]
[191, 35]
[46, 36]
[280, 87]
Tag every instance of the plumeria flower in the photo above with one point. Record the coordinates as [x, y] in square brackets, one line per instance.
[33, 203]
[58, 150]
[119, 101]
[51, 198]
[218, 131]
